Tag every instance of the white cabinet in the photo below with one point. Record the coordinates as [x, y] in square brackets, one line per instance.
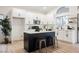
[67, 35]
[72, 36]
[63, 35]
[44, 22]
[50, 22]
[60, 35]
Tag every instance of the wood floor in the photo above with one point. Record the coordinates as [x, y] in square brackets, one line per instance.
[17, 47]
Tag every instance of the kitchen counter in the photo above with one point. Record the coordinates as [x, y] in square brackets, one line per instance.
[32, 32]
[31, 39]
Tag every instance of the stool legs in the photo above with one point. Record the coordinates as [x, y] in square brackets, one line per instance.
[56, 42]
[45, 46]
[40, 45]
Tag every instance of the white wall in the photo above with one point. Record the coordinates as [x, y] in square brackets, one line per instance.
[73, 13]
[1, 36]
[17, 19]
[30, 16]
[50, 17]
[4, 11]
[62, 33]
[23, 15]
[20, 13]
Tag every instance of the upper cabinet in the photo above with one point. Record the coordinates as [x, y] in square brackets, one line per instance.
[18, 13]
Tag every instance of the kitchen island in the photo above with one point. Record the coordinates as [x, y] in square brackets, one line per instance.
[30, 39]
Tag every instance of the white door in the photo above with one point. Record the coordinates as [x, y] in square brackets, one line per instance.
[17, 29]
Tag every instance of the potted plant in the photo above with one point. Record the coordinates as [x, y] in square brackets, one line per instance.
[6, 29]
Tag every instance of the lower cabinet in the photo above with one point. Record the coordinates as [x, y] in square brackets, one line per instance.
[31, 41]
[68, 36]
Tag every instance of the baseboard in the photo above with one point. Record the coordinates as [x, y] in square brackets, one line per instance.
[65, 41]
[16, 40]
[5, 43]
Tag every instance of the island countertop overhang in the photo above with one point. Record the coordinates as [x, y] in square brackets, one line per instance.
[29, 32]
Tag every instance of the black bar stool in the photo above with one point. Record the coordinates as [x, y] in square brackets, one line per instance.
[54, 41]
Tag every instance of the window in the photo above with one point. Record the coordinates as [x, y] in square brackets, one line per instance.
[64, 20]
[61, 21]
[1, 17]
[62, 10]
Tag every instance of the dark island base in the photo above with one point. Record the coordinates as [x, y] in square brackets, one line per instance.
[31, 42]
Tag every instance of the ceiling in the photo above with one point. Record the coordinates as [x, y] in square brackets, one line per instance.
[38, 9]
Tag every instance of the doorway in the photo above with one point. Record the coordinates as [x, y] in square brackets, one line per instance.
[17, 28]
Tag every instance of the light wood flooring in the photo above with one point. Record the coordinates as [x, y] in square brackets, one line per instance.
[63, 47]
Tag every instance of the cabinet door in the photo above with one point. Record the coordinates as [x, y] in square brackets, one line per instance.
[65, 35]
[32, 43]
[59, 34]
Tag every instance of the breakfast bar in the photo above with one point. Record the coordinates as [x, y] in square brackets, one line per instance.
[31, 40]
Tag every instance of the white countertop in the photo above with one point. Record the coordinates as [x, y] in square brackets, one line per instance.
[31, 32]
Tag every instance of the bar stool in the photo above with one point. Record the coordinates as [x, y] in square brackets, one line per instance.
[40, 44]
[55, 40]
[50, 40]
[40, 41]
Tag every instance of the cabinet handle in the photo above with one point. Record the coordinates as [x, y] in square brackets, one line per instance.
[66, 35]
